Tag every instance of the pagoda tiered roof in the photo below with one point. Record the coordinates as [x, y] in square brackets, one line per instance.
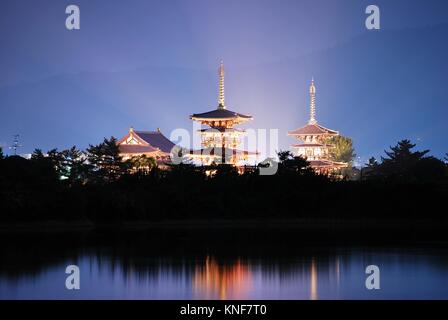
[313, 129]
[220, 114]
[310, 145]
[313, 145]
[221, 131]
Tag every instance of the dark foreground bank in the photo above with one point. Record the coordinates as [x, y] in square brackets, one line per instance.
[370, 231]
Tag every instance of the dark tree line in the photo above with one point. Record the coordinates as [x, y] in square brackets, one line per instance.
[403, 164]
[96, 184]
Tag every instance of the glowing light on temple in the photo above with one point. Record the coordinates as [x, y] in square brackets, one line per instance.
[221, 141]
[313, 137]
[312, 103]
[221, 100]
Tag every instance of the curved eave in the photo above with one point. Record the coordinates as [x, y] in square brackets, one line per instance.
[313, 130]
[309, 145]
[235, 118]
[292, 134]
[220, 114]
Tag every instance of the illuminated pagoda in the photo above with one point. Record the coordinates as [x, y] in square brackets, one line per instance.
[221, 140]
[149, 143]
[313, 139]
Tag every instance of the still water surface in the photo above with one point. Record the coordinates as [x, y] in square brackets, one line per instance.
[147, 267]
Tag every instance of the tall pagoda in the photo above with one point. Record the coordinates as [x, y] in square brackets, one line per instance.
[221, 140]
[313, 139]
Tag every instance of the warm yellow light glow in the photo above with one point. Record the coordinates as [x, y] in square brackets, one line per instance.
[213, 281]
[313, 288]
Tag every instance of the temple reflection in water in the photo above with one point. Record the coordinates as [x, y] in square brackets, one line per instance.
[212, 280]
[215, 281]
[139, 271]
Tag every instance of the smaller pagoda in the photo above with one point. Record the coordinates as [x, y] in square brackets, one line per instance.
[314, 139]
[221, 140]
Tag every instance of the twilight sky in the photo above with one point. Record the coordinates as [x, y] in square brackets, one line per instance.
[152, 63]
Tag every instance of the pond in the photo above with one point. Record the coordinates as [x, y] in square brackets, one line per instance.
[224, 264]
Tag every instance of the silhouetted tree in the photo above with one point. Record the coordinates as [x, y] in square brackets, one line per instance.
[401, 159]
[75, 167]
[37, 154]
[1, 154]
[185, 170]
[446, 165]
[43, 165]
[226, 171]
[429, 169]
[289, 163]
[404, 164]
[284, 156]
[372, 163]
[105, 162]
[371, 169]
[57, 160]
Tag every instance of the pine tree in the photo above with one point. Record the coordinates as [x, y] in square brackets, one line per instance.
[401, 159]
[373, 163]
[105, 162]
[404, 164]
[74, 162]
[342, 150]
[371, 170]
[44, 165]
[290, 163]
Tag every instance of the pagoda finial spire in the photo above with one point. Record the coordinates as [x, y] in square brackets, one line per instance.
[312, 103]
[221, 99]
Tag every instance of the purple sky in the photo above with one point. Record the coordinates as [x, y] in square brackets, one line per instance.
[153, 63]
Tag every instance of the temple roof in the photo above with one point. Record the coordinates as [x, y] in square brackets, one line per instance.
[147, 141]
[304, 145]
[136, 148]
[220, 114]
[156, 139]
[313, 129]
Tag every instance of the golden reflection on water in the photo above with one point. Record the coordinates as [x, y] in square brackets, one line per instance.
[313, 281]
[214, 281]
